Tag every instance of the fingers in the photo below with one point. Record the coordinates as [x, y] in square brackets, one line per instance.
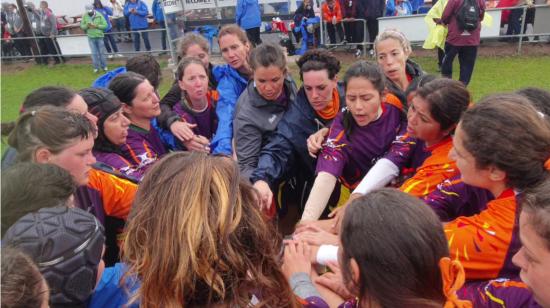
[334, 212]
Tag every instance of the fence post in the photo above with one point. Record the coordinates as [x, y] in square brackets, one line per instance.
[520, 38]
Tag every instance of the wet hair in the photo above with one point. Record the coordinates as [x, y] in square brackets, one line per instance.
[22, 283]
[98, 4]
[147, 66]
[66, 245]
[447, 100]
[318, 60]
[45, 96]
[424, 79]
[28, 187]
[370, 72]
[539, 97]
[536, 202]
[185, 62]
[234, 29]
[209, 243]
[48, 96]
[267, 54]
[48, 127]
[124, 86]
[189, 40]
[397, 241]
[505, 131]
[396, 35]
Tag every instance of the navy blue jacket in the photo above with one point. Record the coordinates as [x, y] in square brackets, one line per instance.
[288, 145]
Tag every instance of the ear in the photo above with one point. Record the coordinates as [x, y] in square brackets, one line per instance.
[335, 79]
[42, 156]
[495, 174]
[355, 274]
[180, 84]
[126, 109]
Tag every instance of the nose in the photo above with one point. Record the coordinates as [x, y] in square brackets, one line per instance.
[91, 159]
[125, 121]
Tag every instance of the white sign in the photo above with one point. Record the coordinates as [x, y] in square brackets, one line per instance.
[199, 4]
[172, 6]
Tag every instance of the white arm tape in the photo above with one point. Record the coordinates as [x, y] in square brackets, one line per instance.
[319, 196]
[378, 176]
[327, 253]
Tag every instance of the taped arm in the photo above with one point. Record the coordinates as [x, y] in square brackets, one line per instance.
[319, 196]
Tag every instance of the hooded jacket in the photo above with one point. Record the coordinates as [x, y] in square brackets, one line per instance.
[138, 21]
[288, 145]
[230, 86]
[247, 15]
[98, 21]
[255, 121]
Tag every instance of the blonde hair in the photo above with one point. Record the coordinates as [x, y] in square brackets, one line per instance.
[196, 238]
[396, 35]
[191, 39]
[234, 30]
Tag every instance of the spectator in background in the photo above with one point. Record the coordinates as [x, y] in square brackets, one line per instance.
[332, 15]
[158, 14]
[371, 10]
[34, 19]
[48, 29]
[93, 23]
[137, 11]
[303, 12]
[117, 20]
[108, 38]
[248, 17]
[460, 41]
[15, 28]
[354, 29]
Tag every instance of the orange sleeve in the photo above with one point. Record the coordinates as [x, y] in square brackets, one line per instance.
[326, 15]
[117, 194]
[435, 169]
[338, 10]
[481, 242]
[393, 100]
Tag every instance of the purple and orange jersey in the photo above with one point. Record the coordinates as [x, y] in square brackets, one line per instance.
[454, 198]
[350, 156]
[498, 293]
[142, 147]
[485, 243]
[435, 169]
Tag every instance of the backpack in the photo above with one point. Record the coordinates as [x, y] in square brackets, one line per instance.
[468, 15]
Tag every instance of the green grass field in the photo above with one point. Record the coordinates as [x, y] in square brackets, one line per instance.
[494, 74]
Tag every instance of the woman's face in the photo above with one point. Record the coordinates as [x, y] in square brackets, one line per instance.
[115, 128]
[318, 87]
[269, 81]
[466, 162]
[194, 82]
[421, 124]
[392, 58]
[77, 158]
[145, 104]
[197, 52]
[534, 260]
[362, 100]
[234, 52]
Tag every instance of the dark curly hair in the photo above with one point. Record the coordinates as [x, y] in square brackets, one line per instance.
[318, 60]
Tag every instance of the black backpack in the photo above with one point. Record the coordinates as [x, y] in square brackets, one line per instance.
[468, 15]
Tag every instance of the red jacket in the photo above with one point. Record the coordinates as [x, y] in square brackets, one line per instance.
[329, 13]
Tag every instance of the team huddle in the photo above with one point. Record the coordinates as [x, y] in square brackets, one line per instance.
[409, 193]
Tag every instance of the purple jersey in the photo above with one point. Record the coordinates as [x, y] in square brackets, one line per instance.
[120, 164]
[407, 153]
[206, 120]
[498, 293]
[454, 198]
[142, 147]
[350, 156]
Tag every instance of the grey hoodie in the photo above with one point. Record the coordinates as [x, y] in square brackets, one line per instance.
[48, 23]
[255, 120]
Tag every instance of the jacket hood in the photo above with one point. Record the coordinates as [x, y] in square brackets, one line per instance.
[220, 71]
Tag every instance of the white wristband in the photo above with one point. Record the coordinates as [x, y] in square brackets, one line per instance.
[327, 253]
